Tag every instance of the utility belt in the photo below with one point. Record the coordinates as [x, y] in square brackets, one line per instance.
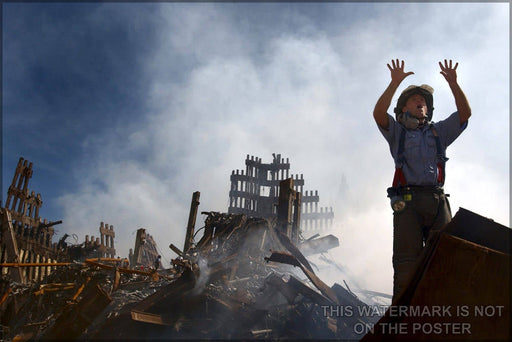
[402, 194]
[420, 189]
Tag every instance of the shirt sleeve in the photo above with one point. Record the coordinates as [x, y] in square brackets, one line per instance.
[390, 133]
[450, 128]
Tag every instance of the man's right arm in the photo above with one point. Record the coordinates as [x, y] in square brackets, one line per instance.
[380, 113]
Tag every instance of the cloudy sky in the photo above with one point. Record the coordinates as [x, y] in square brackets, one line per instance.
[126, 109]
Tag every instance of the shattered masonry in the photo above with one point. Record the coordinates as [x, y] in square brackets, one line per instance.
[245, 277]
[255, 192]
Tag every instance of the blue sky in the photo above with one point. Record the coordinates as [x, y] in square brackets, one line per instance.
[126, 109]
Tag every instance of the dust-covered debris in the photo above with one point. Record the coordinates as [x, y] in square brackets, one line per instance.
[244, 278]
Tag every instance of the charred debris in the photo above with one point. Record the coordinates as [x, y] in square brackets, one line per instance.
[238, 277]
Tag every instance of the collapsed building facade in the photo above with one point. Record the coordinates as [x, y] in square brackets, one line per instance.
[27, 238]
[145, 251]
[242, 266]
[255, 191]
[245, 277]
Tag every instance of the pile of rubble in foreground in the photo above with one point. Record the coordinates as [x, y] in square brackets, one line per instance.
[244, 279]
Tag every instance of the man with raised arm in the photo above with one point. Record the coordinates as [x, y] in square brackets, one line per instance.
[418, 147]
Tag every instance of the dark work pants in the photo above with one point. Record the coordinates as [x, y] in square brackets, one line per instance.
[425, 211]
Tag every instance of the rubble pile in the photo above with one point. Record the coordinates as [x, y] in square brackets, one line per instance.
[236, 282]
[243, 279]
[59, 301]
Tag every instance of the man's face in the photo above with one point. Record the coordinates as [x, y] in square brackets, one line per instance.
[417, 106]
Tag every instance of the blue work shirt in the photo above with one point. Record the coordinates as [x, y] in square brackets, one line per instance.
[420, 151]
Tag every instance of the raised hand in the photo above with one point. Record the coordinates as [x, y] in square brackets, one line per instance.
[449, 72]
[397, 71]
[397, 76]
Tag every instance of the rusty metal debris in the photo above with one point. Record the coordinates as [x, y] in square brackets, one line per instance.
[465, 271]
[245, 277]
[145, 251]
[225, 288]
[255, 192]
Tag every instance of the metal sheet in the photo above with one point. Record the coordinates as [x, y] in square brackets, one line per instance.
[462, 288]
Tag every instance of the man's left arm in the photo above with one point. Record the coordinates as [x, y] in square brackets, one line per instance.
[450, 74]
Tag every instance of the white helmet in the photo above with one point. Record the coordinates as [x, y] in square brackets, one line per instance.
[424, 90]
